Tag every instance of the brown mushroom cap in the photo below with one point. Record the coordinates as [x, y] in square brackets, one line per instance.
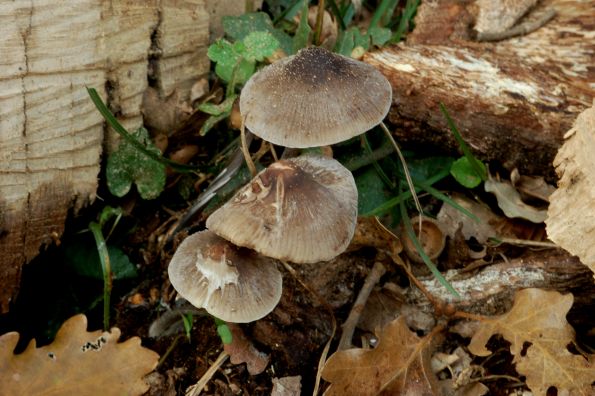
[302, 209]
[232, 283]
[314, 98]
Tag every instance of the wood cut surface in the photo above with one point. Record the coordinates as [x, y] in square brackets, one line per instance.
[571, 214]
[512, 100]
[51, 135]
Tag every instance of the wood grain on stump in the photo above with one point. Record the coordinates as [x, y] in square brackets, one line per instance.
[51, 135]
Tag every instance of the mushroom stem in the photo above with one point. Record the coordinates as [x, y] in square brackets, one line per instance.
[405, 170]
[245, 150]
[273, 152]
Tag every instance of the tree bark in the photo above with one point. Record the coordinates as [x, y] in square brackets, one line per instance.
[51, 135]
[512, 100]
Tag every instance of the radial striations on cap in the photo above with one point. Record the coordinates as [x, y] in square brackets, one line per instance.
[314, 98]
[232, 283]
[302, 209]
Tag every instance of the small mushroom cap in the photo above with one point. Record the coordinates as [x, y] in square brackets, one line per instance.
[234, 284]
[314, 98]
[302, 209]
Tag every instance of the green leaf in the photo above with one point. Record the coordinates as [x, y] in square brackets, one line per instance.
[238, 27]
[465, 173]
[479, 167]
[82, 257]
[379, 35]
[371, 190]
[345, 42]
[128, 165]
[230, 58]
[259, 45]
[302, 34]
[212, 121]
[223, 331]
[216, 109]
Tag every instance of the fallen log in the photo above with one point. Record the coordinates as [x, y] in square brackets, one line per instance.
[512, 100]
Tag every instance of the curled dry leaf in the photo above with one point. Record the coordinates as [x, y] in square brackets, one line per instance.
[538, 319]
[399, 365]
[76, 363]
[241, 350]
[509, 200]
[570, 214]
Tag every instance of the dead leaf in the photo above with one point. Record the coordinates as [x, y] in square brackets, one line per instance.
[538, 320]
[509, 200]
[164, 115]
[241, 350]
[534, 187]
[399, 365]
[76, 363]
[287, 386]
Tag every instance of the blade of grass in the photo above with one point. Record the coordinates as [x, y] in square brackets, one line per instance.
[427, 261]
[405, 195]
[319, 19]
[113, 122]
[375, 163]
[405, 21]
[381, 10]
[106, 269]
[338, 16]
[477, 166]
[446, 199]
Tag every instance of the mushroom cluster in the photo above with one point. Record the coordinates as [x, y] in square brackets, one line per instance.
[301, 209]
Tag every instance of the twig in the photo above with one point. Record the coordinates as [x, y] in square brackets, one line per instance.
[356, 311]
[322, 302]
[195, 389]
[518, 30]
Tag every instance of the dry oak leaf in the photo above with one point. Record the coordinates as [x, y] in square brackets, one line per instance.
[399, 365]
[77, 363]
[538, 319]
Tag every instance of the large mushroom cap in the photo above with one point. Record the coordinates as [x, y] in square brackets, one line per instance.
[314, 98]
[302, 209]
[234, 284]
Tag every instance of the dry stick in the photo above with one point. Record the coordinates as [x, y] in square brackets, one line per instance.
[356, 311]
[245, 149]
[195, 389]
[322, 302]
[518, 30]
[406, 171]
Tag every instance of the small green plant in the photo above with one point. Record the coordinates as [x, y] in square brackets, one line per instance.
[128, 165]
[114, 263]
[467, 170]
[187, 322]
[223, 331]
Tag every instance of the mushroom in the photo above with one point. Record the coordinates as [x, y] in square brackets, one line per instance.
[302, 209]
[314, 98]
[232, 283]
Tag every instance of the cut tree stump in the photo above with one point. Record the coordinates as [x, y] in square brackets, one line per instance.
[51, 135]
[512, 100]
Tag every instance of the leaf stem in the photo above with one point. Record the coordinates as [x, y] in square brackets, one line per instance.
[106, 269]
